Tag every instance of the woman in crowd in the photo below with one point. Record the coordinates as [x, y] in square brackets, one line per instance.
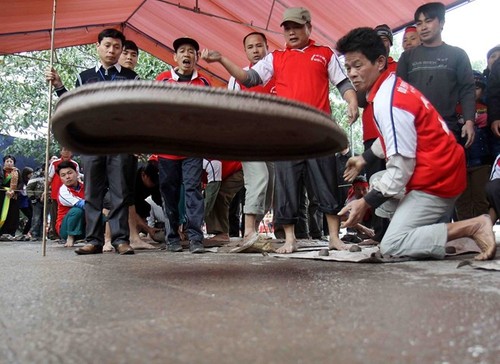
[9, 205]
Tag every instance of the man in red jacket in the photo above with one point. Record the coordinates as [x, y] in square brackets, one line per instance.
[70, 223]
[55, 184]
[177, 171]
[303, 72]
[423, 158]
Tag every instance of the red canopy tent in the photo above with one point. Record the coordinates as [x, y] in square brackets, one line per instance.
[217, 24]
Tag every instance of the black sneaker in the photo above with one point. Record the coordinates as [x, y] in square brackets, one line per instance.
[196, 247]
[174, 247]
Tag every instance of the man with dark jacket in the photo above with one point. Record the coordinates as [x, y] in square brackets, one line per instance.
[104, 170]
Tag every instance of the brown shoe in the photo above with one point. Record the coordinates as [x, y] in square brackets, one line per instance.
[124, 249]
[89, 249]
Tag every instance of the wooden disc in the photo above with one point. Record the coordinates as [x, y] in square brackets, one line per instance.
[160, 117]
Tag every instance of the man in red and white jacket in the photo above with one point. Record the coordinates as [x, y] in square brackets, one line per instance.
[176, 171]
[55, 183]
[370, 132]
[70, 224]
[303, 72]
[422, 155]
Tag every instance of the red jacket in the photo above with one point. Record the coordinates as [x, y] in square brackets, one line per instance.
[369, 128]
[228, 169]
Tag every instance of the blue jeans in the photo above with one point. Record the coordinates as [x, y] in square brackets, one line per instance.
[173, 175]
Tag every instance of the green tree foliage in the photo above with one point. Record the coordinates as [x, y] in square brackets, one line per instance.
[24, 92]
[354, 132]
[149, 67]
[22, 103]
[478, 65]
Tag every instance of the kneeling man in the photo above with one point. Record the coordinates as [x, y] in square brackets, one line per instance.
[70, 224]
[422, 156]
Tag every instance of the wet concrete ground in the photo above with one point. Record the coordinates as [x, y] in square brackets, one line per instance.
[160, 307]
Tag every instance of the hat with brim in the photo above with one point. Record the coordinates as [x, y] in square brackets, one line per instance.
[186, 40]
[383, 30]
[297, 15]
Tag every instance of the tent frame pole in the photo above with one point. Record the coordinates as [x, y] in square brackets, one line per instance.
[47, 144]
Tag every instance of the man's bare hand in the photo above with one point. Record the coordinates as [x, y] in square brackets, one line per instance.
[52, 76]
[356, 210]
[152, 230]
[352, 113]
[353, 167]
[210, 55]
[366, 231]
[468, 132]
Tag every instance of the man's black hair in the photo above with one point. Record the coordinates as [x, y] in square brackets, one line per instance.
[25, 173]
[65, 164]
[129, 45]
[255, 33]
[431, 11]
[111, 33]
[151, 170]
[364, 40]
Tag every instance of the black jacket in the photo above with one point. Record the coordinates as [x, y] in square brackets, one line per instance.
[493, 92]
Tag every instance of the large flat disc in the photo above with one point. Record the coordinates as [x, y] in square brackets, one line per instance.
[160, 117]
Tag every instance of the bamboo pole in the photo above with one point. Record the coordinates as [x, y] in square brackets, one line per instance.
[47, 144]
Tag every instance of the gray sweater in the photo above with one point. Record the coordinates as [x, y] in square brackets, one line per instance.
[444, 75]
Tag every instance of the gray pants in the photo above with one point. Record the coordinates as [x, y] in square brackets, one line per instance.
[418, 227]
[100, 172]
[259, 185]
